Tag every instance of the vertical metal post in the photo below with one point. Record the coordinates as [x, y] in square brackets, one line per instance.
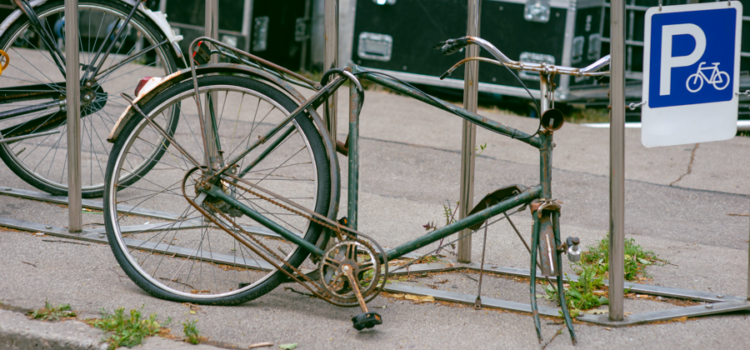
[247, 20]
[212, 31]
[306, 42]
[617, 162]
[212, 22]
[468, 146]
[331, 60]
[73, 89]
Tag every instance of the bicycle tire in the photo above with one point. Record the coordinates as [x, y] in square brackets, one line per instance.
[42, 161]
[236, 273]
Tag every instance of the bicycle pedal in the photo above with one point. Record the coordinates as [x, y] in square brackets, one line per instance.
[366, 320]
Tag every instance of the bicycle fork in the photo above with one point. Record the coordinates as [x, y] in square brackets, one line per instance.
[545, 239]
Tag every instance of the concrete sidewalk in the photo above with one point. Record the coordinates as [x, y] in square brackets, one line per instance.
[678, 201]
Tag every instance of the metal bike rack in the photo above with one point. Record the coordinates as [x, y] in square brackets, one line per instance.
[74, 200]
[717, 304]
[469, 136]
[73, 87]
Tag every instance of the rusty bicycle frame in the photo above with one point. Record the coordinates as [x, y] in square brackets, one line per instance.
[545, 210]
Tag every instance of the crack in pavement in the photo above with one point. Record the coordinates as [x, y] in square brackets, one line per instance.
[690, 166]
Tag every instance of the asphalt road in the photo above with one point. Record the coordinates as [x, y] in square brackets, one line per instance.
[677, 204]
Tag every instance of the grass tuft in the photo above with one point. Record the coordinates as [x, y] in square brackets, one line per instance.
[192, 335]
[127, 330]
[50, 313]
[588, 291]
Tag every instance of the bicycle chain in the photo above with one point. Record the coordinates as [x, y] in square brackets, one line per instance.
[270, 251]
[338, 229]
[321, 293]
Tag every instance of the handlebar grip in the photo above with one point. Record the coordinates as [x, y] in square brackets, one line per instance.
[452, 46]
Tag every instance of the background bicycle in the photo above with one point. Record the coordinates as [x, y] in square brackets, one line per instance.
[118, 41]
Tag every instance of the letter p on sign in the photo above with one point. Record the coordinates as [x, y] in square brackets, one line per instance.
[668, 61]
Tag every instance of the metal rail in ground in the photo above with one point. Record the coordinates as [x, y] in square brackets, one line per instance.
[714, 303]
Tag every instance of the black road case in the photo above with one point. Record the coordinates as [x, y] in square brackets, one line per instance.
[398, 37]
[274, 30]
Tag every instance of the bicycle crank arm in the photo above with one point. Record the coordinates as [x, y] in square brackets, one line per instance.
[366, 319]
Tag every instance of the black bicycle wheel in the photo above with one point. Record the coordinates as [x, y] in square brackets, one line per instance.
[33, 79]
[173, 251]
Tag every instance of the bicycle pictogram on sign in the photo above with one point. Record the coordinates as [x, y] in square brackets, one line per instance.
[720, 80]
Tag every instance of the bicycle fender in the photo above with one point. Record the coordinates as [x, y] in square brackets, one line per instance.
[156, 85]
[159, 18]
[16, 14]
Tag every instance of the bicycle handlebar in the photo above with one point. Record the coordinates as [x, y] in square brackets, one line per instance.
[452, 46]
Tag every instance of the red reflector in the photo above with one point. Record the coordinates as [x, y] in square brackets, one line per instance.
[141, 84]
[199, 45]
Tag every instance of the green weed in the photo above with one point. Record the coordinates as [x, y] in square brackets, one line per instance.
[50, 313]
[586, 293]
[581, 294]
[636, 259]
[480, 149]
[192, 335]
[127, 330]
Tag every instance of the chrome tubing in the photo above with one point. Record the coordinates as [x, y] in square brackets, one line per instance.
[452, 45]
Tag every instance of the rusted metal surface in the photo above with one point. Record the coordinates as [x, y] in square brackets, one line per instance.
[547, 247]
[532, 276]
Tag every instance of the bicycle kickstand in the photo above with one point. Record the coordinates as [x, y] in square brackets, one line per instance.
[366, 319]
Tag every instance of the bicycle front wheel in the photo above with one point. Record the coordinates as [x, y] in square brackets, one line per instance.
[166, 245]
[33, 86]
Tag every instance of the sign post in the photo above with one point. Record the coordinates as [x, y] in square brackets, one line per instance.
[691, 70]
[617, 163]
[73, 99]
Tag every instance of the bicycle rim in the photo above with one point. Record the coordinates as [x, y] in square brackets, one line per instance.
[42, 161]
[184, 256]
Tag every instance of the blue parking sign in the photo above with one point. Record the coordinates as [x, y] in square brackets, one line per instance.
[692, 57]
[691, 73]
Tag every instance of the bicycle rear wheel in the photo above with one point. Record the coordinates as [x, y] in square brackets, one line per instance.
[34, 80]
[184, 256]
